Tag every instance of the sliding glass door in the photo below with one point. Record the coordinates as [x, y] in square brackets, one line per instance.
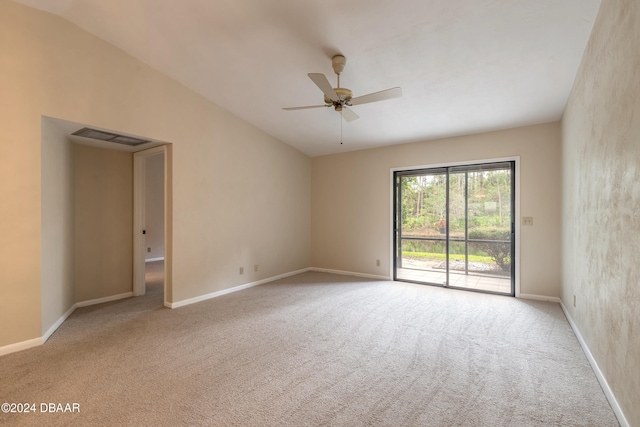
[454, 227]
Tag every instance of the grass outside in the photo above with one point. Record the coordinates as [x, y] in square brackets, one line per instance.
[442, 257]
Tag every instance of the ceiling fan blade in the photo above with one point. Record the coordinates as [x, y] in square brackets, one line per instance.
[321, 81]
[348, 114]
[395, 92]
[305, 108]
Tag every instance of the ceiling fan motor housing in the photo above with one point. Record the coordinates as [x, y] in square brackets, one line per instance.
[343, 93]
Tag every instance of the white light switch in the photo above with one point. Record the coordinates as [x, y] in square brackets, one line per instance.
[527, 220]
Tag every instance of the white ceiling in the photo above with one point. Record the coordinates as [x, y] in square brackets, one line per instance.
[465, 66]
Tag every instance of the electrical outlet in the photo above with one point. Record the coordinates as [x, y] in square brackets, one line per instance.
[241, 270]
[377, 263]
[527, 220]
[255, 267]
[574, 300]
[148, 249]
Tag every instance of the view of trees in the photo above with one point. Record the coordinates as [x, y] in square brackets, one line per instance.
[489, 214]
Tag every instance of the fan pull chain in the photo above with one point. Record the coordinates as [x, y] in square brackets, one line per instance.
[341, 120]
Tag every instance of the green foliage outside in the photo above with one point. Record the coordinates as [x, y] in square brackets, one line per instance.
[424, 200]
[442, 257]
[488, 212]
[499, 252]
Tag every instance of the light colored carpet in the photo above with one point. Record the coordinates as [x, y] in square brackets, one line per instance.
[309, 350]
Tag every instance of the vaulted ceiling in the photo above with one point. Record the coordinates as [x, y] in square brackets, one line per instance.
[464, 66]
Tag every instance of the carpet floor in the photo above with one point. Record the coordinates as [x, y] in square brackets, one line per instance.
[313, 349]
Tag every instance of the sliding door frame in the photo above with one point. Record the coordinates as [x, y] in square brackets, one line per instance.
[516, 209]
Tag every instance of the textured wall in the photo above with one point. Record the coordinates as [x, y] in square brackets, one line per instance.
[601, 184]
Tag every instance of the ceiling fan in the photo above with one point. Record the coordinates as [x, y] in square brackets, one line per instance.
[341, 98]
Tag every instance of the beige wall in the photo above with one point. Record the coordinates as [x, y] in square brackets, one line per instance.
[253, 207]
[240, 197]
[103, 222]
[601, 182]
[58, 218]
[351, 203]
[154, 206]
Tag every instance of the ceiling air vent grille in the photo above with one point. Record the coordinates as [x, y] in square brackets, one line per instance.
[110, 137]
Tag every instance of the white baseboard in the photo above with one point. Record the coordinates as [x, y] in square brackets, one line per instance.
[540, 298]
[350, 273]
[154, 259]
[56, 325]
[19, 346]
[104, 299]
[87, 303]
[12, 348]
[230, 290]
[596, 369]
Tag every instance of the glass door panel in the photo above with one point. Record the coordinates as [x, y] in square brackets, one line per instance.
[421, 233]
[489, 225]
[454, 227]
[458, 226]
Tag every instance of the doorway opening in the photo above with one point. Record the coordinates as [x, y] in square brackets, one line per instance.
[154, 224]
[455, 227]
[151, 236]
